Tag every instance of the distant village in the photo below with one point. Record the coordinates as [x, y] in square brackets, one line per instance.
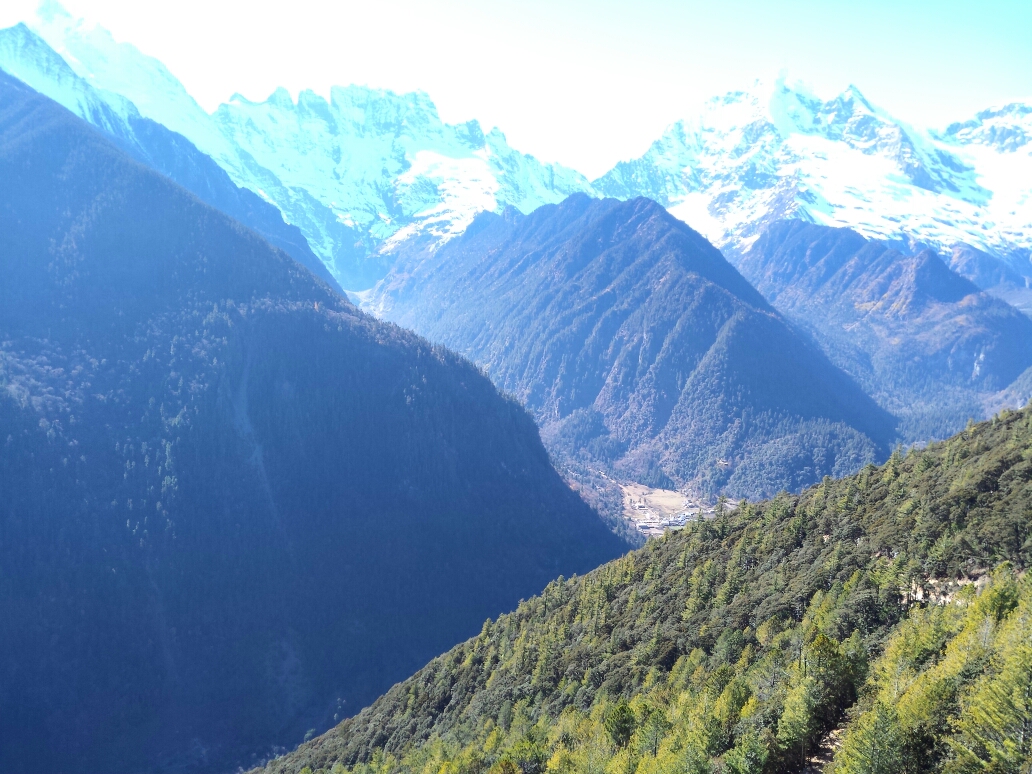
[654, 511]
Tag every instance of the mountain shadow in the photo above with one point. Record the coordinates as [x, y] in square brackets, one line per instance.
[640, 349]
[233, 508]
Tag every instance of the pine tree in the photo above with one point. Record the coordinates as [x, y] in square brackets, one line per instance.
[619, 723]
[873, 745]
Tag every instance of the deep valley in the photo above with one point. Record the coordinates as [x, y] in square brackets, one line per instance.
[340, 434]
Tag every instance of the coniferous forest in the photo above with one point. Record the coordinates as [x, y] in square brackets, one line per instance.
[233, 507]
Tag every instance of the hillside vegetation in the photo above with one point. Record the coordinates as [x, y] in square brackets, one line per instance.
[752, 642]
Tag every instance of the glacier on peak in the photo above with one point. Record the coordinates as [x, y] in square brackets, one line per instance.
[386, 164]
[776, 150]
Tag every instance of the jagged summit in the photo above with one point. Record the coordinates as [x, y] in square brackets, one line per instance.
[1007, 128]
[360, 105]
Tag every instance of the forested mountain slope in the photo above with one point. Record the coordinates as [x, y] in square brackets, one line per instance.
[233, 508]
[25, 56]
[738, 643]
[924, 341]
[640, 349]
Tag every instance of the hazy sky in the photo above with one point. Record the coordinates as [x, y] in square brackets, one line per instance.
[584, 83]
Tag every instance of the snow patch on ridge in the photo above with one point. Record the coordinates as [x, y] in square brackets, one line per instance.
[463, 187]
[363, 170]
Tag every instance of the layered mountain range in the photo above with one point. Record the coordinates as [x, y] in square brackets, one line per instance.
[364, 170]
[640, 349]
[235, 509]
[25, 56]
[377, 185]
[232, 506]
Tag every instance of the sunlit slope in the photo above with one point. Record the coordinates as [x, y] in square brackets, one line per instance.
[742, 641]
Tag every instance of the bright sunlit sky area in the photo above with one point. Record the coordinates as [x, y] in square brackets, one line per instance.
[584, 83]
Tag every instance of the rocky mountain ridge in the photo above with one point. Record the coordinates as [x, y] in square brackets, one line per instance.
[926, 342]
[352, 172]
[27, 57]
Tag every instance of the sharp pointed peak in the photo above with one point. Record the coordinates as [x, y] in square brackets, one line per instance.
[22, 32]
[28, 37]
[310, 96]
[853, 94]
[281, 98]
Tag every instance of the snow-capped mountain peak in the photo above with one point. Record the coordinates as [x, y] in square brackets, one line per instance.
[361, 170]
[27, 57]
[119, 68]
[383, 164]
[776, 150]
[351, 171]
